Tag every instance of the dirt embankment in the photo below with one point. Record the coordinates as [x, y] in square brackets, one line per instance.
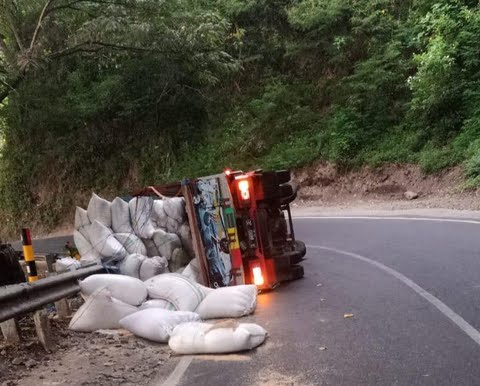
[324, 185]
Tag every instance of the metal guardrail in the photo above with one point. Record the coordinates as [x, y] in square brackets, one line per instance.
[17, 299]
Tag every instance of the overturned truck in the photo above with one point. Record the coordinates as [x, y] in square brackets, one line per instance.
[221, 230]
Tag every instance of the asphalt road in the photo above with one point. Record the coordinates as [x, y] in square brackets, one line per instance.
[412, 286]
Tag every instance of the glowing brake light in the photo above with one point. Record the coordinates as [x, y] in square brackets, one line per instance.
[257, 276]
[228, 172]
[243, 186]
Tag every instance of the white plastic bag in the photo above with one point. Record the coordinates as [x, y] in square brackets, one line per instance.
[121, 216]
[157, 303]
[141, 209]
[184, 294]
[166, 243]
[105, 243]
[229, 302]
[132, 243]
[225, 337]
[153, 266]
[81, 218]
[66, 264]
[156, 324]
[131, 264]
[124, 288]
[99, 209]
[175, 208]
[100, 311]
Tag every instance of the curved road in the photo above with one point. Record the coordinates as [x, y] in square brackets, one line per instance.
[413, 287]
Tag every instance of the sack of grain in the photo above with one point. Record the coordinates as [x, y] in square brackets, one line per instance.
[157, 303]
[141, 209]
[105, 243]
[229, 302]
[173, 226]
[87, 252]
[100, 311]
[156, 324]
[153, 266]
[81, 218]
[220, 338]
[131, 264]
[132, 243]
[166, 243]
[185, 235]
[178, 260]
[124, 288]
[175, 208]
[152, 249]
[177, 289]
[99, 209]
[192, 271]
[121, 217]
[159, 216]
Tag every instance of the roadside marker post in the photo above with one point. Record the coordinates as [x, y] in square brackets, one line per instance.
[29, 255]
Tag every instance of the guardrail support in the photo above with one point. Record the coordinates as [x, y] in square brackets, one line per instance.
[42, 326]
[29, 255]
[10, 331]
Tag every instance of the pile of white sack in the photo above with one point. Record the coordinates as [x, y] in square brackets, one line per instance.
[142, 238]
[170, 308]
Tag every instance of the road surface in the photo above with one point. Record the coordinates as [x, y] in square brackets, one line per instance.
[413, 287]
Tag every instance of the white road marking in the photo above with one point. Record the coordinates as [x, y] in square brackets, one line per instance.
[442, 307]
[433, 219]
[177, 374]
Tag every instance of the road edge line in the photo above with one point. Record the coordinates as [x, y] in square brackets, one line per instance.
[437, 303]
[177, 374]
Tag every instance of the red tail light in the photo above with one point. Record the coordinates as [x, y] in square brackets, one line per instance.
[244, 188]
[257, 276]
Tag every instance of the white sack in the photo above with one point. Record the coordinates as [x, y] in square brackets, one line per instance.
[100, 311]
[185, 235]
[132, 243]
[81, 218]
[177, 289]
[156, 324]
[153, 266]
[226, 337]
[99, 209]
[178, 260]
[126, 289]
[131, 264]
[229, 302]
[152, 249]
[104, 242]
[192, 271]
[173, 226]
[175, 208]
[166, 243]
[141, 209]
[159, 215]
[157, 303]
[121, 216]
[87, 253]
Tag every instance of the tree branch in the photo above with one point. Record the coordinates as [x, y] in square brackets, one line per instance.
[75, 2]
[9, 88]
[39, 23]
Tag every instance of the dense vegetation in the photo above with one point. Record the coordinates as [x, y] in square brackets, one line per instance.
[108, 94]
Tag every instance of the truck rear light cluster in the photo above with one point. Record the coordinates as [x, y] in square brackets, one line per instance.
[244, 189]
[257, 274]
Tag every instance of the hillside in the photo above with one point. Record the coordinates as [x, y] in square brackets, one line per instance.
[111, 95]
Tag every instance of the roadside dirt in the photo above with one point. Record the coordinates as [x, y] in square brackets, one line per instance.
[109, 357]
[383, 188]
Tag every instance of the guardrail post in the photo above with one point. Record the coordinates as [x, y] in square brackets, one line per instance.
[29, 255]
[42, 326]
[10, 331]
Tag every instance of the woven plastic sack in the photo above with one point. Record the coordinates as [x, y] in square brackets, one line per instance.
[132, 243]
[192, 271]
[153, 266]
[220, 338]
[87, 253]
[156, 324]
[159, 215]
[105, 243]
[124, 288]
[166, 243]
[121, 216]
[151, 247]
[184, 294]
[178, 260]
[185, 235]
[81, 218]
[99, 209]
[157, 303]
[141, 209]
[175, 208]
[131, 264]
[173, 226]
[229, 302]
[100, 311]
